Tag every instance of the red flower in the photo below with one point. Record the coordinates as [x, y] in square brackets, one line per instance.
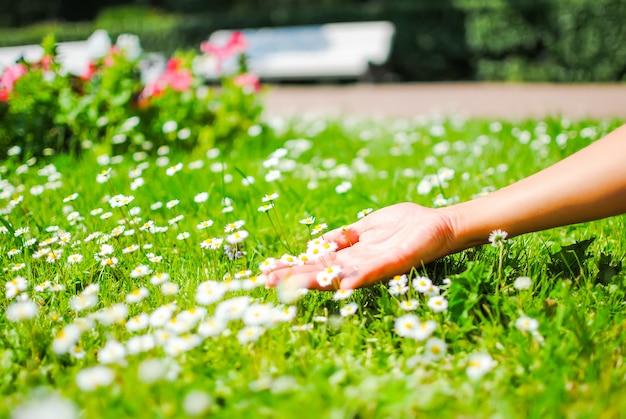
[89, 71]
[172, 65]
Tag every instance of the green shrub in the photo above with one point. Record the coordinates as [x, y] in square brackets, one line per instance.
[110, 107]
[30, 108]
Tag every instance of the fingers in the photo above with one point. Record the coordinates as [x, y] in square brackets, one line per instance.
[359, 278]
[345, 236]
[355, 273]
[308, 280]
[303, 272]
[307, 274]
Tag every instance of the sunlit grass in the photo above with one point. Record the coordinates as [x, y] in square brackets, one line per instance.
[320, 362]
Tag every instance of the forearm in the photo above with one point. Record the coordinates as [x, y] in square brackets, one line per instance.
[588, 185]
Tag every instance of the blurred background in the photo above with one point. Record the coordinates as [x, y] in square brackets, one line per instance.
[434, 40]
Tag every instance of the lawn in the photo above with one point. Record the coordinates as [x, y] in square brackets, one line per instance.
[134, 286]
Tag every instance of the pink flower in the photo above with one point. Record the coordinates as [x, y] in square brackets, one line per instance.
[177, 78]
[9, 77]
[109, 60]
[235, 44]
[46, 62]
[248, 81]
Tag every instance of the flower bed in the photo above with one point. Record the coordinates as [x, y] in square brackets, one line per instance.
[112, 105]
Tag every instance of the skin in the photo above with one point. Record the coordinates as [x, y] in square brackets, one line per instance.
[588, 185]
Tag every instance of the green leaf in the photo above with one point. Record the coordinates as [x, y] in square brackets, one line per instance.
[570, 259]
[121, 98]
[467, 291]
[607, 269]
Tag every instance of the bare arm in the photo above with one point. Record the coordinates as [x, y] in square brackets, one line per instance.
[588, 185]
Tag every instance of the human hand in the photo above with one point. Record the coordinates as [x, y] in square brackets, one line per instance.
[385, 243]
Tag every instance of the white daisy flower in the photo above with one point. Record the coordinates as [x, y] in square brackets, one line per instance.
[211, 327]
[342, 294]
[349, 309]
[479, 365]
[527, 324]
[438, 303]
[139, 322]
[405, 326]
[522, 283]
[137, 295]
[113, 352]
[250, 334]
[422, 284]
[140, 271]
[21, 310]
[409, 305]
[92, 378]
[497, 237]
[435, 349]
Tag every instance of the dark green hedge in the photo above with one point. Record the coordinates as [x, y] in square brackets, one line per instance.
[158, 31]
[548, 40]
[515, 40]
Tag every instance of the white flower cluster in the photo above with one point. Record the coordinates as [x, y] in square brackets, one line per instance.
[167, 327]
[423, 285]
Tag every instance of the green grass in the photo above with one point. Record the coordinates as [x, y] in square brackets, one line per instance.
[347, 367]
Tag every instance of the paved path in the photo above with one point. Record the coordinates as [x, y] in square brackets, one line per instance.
[488, 100]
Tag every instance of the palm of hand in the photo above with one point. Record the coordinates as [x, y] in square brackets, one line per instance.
[387, 242]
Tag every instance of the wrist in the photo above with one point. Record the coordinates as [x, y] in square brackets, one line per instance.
[466, 230]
